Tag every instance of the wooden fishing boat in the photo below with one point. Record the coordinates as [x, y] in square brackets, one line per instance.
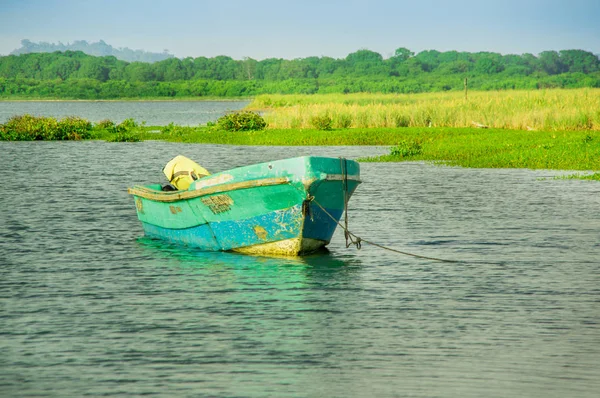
[283, 207]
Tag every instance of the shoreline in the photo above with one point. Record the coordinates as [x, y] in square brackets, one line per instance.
[154, 99]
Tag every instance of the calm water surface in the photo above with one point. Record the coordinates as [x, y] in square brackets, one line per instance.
[154, 113]
[88, 307]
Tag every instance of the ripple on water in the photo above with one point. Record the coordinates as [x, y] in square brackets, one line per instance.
[89, 307]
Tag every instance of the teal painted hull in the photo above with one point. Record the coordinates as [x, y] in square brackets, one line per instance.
[285, 207]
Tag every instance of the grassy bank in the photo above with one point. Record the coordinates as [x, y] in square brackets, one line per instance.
[546, 110]
[500, 149]
[467, 147]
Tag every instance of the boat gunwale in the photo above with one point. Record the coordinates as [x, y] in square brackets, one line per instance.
[174, 196]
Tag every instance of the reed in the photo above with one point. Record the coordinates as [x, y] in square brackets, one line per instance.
[547, 110]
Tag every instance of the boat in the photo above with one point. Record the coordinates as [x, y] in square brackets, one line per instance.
[287, 207]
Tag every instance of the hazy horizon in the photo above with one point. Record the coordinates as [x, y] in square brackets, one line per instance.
[269, 29]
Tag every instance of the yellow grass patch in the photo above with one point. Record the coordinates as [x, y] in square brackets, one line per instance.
[549, 110]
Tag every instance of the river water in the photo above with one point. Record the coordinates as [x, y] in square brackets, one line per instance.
[154, 113]
[89, 307]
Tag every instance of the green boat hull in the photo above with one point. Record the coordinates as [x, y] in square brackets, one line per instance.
[283, 207]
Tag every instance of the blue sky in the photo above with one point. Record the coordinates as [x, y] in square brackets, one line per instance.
[266, 28]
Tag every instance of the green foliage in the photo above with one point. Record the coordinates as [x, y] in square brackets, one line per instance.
[75, 75]
[106, 124]
[73, 128]
[406, 149]
[241, 121]
[126, 125]
[173, 130]
[466, 147]
[124, 136]
[126, 131]
[36, 128]
[322, 122]
[499, 148]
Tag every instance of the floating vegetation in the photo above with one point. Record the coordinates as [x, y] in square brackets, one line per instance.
[406, 149]
[41, 128]
[38, 128]
[495, 148]
[579, 176]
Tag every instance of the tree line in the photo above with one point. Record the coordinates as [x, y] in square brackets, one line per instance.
[74, 74]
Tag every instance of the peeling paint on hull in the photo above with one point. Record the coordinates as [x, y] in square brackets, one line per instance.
[285, 232]
[288, 247]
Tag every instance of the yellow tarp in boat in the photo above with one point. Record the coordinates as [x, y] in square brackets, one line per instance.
[181, 172]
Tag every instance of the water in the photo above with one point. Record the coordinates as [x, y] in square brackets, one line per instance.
[88, 307]
[154, 113]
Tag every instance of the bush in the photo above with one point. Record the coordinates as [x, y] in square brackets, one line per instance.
[126, 125]
[73, 128]
[407, 149]
[322, 122]
[241, 121]
[36, 128]
[106, 124]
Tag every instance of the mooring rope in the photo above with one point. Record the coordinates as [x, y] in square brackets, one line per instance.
[357, 240]
[351, 238]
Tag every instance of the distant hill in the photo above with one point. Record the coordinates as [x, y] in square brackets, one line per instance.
[99, 49]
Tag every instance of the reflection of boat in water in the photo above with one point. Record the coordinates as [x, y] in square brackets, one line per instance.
[286, 207]
[322, 260]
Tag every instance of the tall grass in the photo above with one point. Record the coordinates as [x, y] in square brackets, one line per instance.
[548, 110]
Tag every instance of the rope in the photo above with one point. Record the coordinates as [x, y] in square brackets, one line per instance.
[357, 240]
[349, 237]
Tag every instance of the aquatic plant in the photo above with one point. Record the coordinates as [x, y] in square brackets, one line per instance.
[105, 124]
[127, 125]
[241, 121]
[124, 136]
[36, 128]
[173, 130]
[407, 149]
[72, 128]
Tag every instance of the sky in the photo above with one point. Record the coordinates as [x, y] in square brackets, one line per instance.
[263, 29]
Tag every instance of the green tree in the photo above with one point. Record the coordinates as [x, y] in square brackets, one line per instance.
[550, 62]
[579, 61]
[139, 72]
[365, 62]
